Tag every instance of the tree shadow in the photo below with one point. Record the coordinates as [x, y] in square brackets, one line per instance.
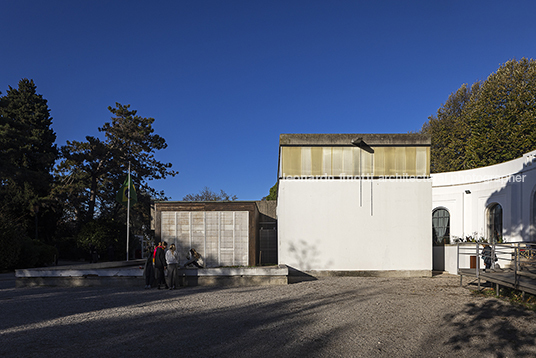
[111, 323]
[486, 329]
[306, 255]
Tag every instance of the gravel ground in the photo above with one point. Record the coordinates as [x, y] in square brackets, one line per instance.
[329, 317]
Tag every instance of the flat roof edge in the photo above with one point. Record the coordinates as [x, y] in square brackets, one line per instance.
[370, 139]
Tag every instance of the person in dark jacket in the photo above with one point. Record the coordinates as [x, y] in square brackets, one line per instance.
[160, 265]
[148, 273]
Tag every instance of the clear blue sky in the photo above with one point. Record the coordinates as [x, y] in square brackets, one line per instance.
[224, 78]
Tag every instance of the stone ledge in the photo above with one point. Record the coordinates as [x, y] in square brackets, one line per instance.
[131, 274]
[366, 273]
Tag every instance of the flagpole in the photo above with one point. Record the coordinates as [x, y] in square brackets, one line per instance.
[128, 208]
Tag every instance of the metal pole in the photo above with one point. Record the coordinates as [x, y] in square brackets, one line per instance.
[492, 258]
[478, 265]
[516, 262]
[458, 262]
[128, 208]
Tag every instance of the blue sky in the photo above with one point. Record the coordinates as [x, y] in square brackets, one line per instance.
[224, 78]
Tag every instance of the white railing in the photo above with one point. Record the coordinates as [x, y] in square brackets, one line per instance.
[519, 257]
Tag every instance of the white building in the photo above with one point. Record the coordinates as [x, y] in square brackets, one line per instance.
[496, 203]
[356, 203]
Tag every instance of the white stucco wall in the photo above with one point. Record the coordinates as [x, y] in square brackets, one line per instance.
[511, 184]
[346, 225]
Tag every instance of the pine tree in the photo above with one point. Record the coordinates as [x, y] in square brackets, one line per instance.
[27, 147]
[99, 167]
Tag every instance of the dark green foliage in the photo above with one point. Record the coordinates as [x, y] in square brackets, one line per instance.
[208, 195]
[101, 234]
[86, 181]
[34, 253]
[503, 116]
[488, 123]
[11, 235]
[92, 172]
[273, 193]
[27, 148]
[48, 254]
[17, 250]
[27, 155]
[449, 131]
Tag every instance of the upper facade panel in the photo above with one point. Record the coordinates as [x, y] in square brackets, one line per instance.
[351, 155]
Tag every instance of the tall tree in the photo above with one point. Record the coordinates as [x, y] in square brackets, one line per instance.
[491, 122]
[449, 131]
[27, 151]
[98, 167]
[27, 148]
[27, 154]
[82, 172]
[208, 195]
[503, 115]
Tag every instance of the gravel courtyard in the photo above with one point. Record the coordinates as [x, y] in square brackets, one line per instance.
[329, 317]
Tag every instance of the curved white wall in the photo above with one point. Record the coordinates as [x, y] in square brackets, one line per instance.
[467, 195]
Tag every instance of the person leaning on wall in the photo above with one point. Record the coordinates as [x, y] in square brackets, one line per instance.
[194, 258]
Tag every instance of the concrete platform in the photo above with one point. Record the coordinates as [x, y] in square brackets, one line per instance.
[130, 273]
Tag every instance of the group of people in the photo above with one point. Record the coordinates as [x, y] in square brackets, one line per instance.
[160, 259]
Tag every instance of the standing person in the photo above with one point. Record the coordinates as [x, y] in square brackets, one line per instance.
[172, 260]
[160, 264]
[148, 273]
[486, 255]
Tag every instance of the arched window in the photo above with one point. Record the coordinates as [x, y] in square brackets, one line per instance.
[495, 224]
[441, 226]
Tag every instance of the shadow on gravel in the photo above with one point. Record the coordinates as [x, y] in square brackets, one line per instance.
[486, 330]
[84, 322]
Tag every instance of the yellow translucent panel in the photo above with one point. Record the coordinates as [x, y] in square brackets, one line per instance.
[384, 161]
[336, 161]
[401, 161]
[317, 154]
[347, 162]
[367, 165]
[326, 161]
[356, 162]
[353, 161]
[410, 156]
[423, 161]
[290, 161]
[306, 161]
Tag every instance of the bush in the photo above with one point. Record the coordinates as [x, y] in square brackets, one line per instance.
[47, 255]
[29, 254]
[34, 253]
[100, 234]
[11, 235]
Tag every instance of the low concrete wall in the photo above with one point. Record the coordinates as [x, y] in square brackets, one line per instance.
[371, 273]
[131, 274]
